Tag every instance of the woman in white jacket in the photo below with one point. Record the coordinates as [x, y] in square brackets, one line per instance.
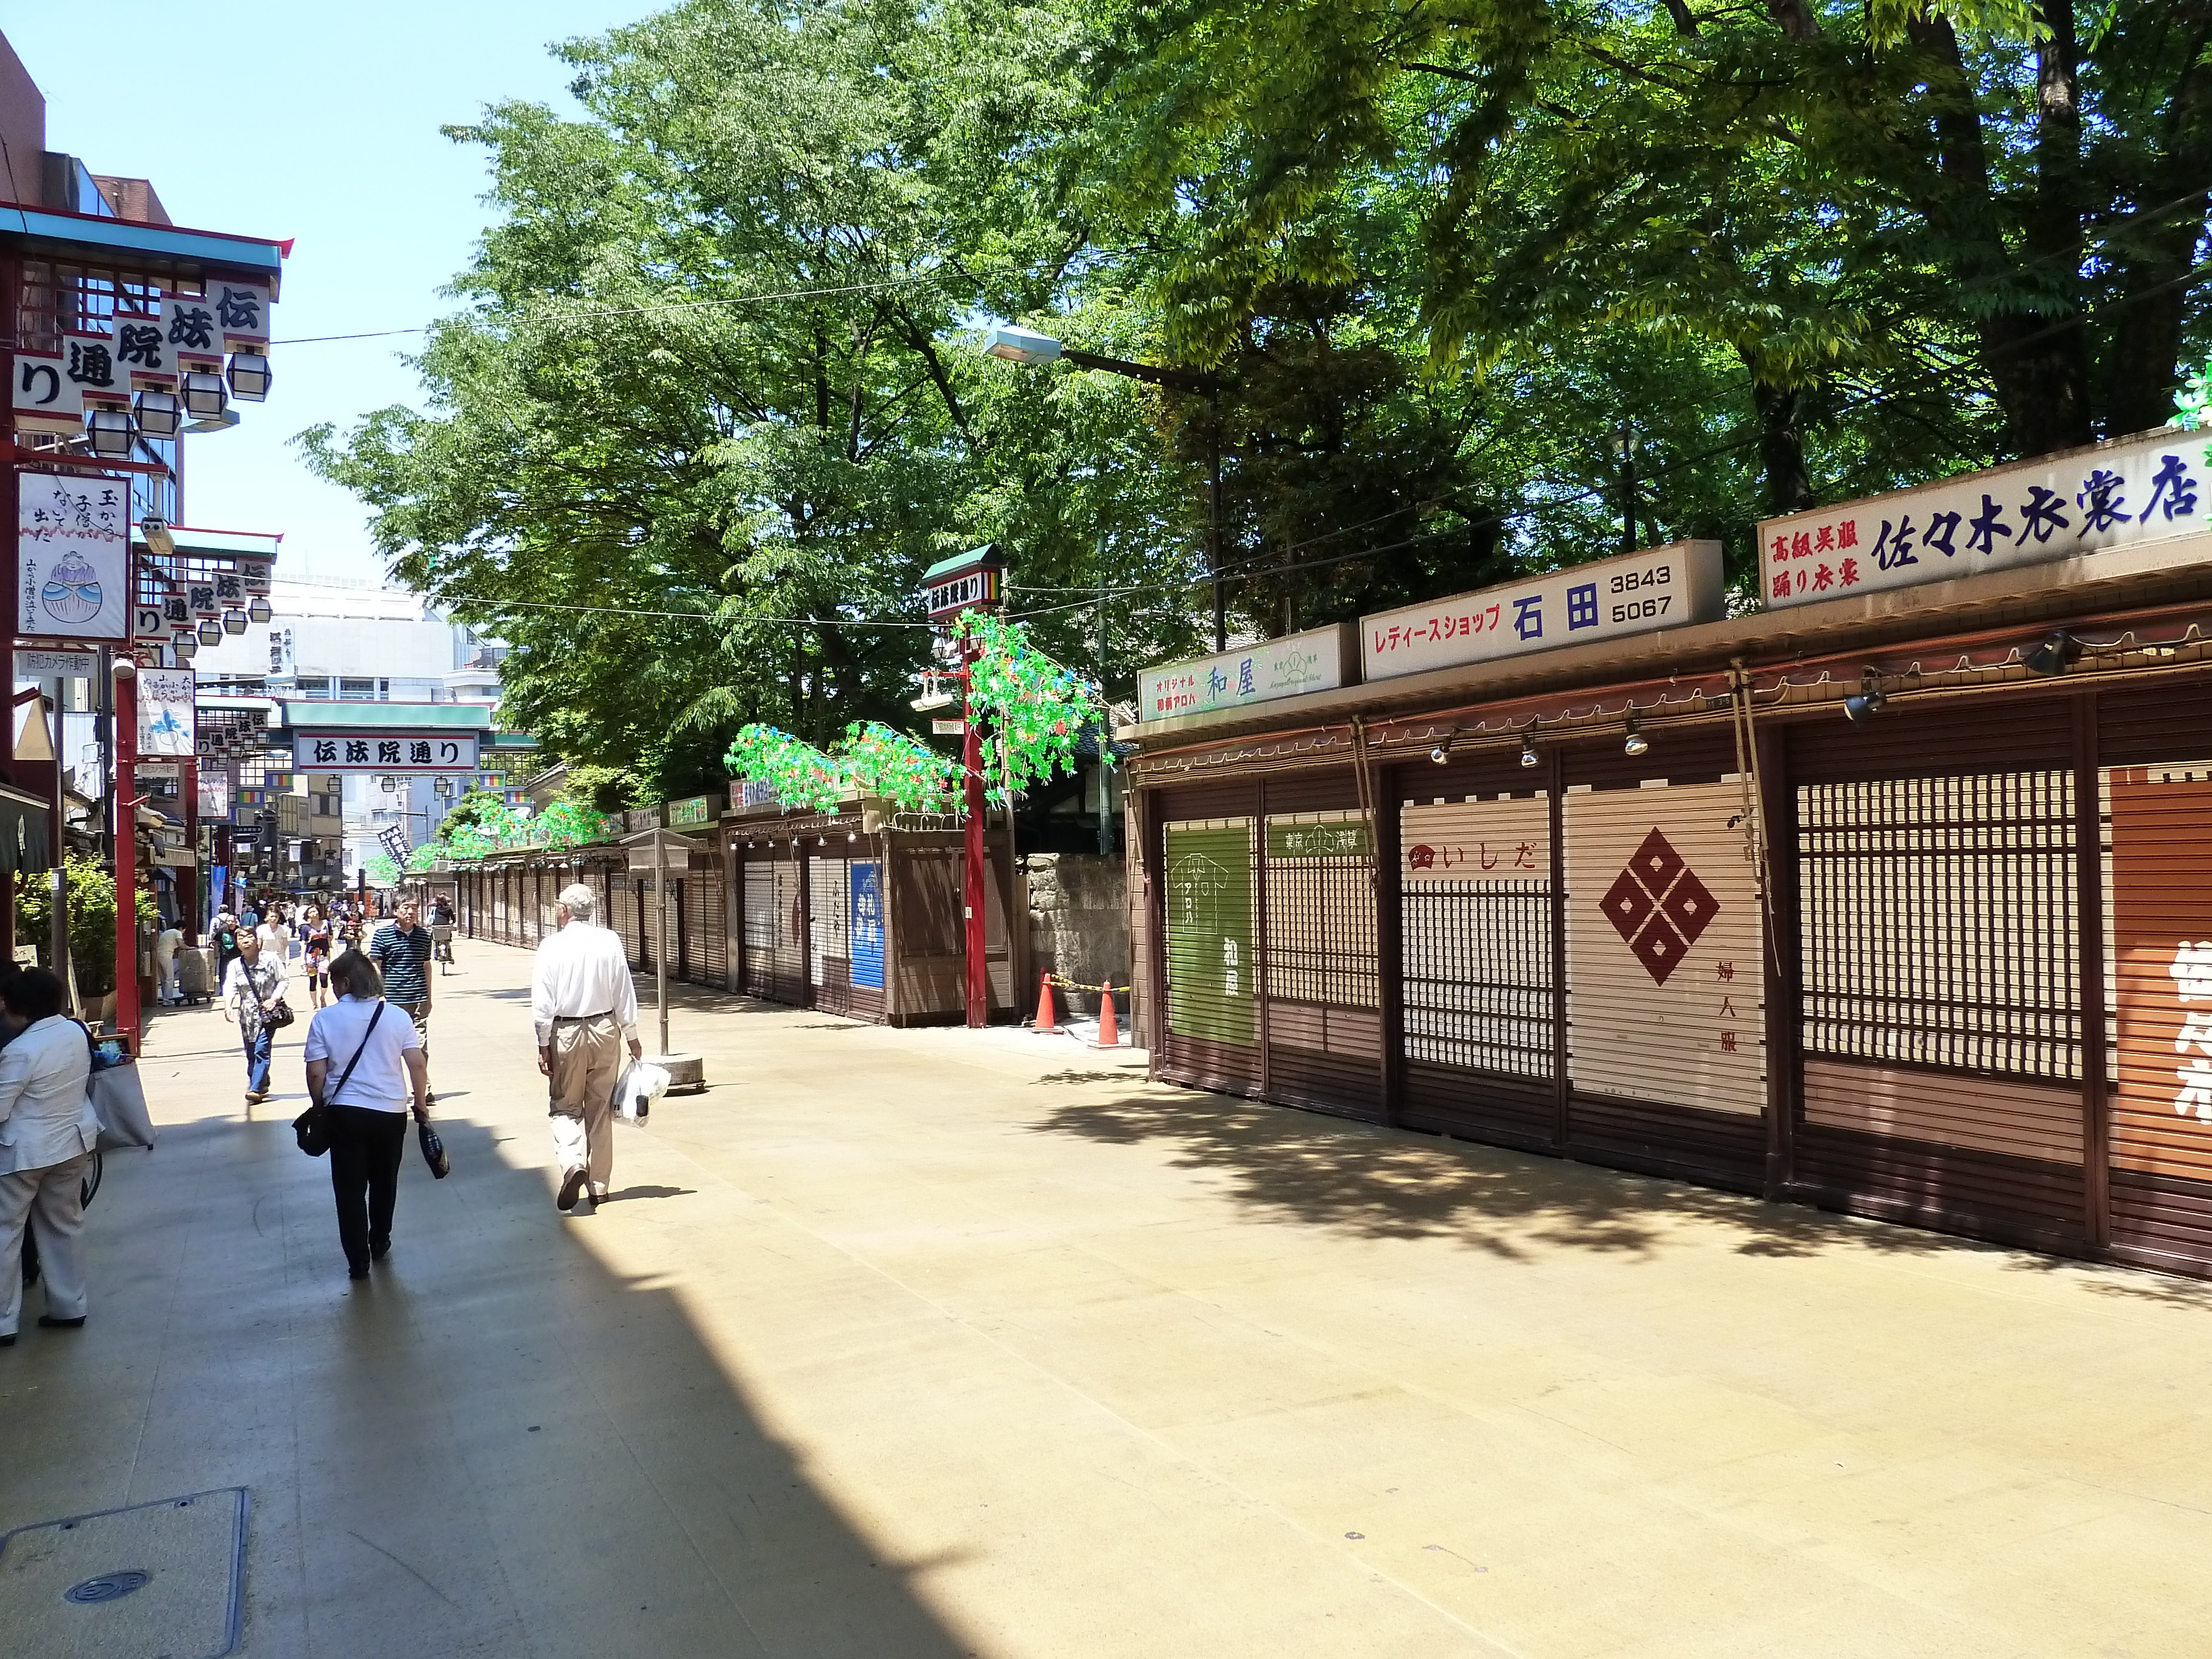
[48, 1133]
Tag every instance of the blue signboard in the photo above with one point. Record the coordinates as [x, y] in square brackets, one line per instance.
[867, 942]
[218, 890]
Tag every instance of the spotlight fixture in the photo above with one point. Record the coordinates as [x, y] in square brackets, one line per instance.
[1529, 745]
[2055, 655]
[1442, 752]
[1867, 701]
[1637, 745]
[110, 433]
[159, 415]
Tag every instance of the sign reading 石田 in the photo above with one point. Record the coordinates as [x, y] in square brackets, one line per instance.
[1670, 586]
[1312, 661]
[73, 558]
[2116, 495]
[398, 751]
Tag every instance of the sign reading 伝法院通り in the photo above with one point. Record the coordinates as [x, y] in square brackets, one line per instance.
[1670, 586]
[2116, 495]
[396, 751]
[73, 558]
[1312, 661]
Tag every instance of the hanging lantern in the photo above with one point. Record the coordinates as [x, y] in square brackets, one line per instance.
[205, 396]
[249, 376]
[234, 622]
[159, 415]
[260, 611]
[210, 632]
[110, 433]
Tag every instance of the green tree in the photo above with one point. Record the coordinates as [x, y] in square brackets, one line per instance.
[91, 920]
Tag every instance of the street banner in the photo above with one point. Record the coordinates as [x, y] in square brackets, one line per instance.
[165, 712]
[73, 558]
[400, 752]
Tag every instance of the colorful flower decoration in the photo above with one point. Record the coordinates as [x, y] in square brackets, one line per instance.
[900, 769]
[802, 775]
[1039, 710]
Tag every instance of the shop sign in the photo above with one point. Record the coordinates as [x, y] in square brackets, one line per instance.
[1672, 587]
[100, 366]
[865, 886]
[215, 793]
[1347, 838]
[394, 751]
[2121, 494]
[640, 818]
[699, 809]
[57, 666]
[165, 712]
[1209, 933]
[73, 558]
[1475, 841]
[1297, 663]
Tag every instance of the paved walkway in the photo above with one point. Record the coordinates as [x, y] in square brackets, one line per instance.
[922, 1344]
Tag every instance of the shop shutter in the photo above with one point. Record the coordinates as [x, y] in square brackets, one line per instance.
[2160, 955]
[788, 960]
[1939, 1020]
[1666, 1031]
[622, 914]
[1318, 967]
[757, 925]
[864, 879]
[1480, 984]
[710, 923]
[1211, 1021]
[830, 957]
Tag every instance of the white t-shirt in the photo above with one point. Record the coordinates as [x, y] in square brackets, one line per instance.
[380, 1081]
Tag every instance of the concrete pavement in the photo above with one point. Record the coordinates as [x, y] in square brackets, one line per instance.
[935, 1343]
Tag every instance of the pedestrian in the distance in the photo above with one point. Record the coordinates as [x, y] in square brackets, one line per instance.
[166, 944]
[364, 1070]
[225, 929]
[584, 1005]
[401, 951]
[254, 985]
[47, 1132]
[315, 939]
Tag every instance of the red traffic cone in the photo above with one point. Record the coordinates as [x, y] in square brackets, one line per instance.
[1109, 1036]
[1044, 1021]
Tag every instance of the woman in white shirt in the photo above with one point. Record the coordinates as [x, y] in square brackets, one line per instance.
[365, 1068]
[47, 1132]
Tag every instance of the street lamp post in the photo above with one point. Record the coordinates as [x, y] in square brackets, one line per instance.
[970, 582]
[1019, 345]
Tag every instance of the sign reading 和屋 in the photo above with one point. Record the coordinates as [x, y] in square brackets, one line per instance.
[1670, 586]
[165, 712]
[399, 751]
[2131, 490]
[1312, 661]
[73, 558]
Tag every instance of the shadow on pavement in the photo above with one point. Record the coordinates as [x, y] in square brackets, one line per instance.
[1284, 1164]
[495, 1446]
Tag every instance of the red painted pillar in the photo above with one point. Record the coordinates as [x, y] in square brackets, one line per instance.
[126, 853]
[973, 875]
[189, 906]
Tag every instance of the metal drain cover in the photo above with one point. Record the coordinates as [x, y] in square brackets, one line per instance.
[108, 1587]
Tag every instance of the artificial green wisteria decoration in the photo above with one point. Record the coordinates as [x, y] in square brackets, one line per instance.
[422, 859]
[381, 870]
[896, 767]
[1039, 709]
[802, 775]
[2193, 404]
[568, 823]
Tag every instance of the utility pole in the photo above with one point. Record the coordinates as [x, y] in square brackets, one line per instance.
[1624, 443]
[660, 945]
[975, 904]
[1213, 514]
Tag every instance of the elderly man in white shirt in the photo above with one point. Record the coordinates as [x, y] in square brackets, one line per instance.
[584, 1005]
[48, 1133]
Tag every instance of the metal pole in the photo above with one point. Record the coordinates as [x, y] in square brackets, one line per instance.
[1214, 518]
[1105, 726]
[124, 730]
[660, 945]
[972, 872]
[1625, 440]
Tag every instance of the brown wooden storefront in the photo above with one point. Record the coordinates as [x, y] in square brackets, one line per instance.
[1949, 965]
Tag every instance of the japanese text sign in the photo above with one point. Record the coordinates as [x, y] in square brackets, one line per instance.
[73, 559]
[165, 712]
[2136, 490]
[1670, 586]
[694, 809]
[385, 751]
[1297, 663]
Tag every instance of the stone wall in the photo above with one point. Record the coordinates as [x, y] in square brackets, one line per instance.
[1078, 925]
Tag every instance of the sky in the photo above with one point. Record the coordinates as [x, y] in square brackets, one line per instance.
[321, 123]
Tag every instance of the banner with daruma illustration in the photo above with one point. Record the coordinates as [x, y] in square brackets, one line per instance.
[1666, 991]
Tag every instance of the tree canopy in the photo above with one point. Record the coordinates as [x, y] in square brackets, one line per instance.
[713, 395]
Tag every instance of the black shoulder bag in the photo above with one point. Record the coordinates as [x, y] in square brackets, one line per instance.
[311, 1128]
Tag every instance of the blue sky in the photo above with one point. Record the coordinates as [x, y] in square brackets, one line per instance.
[321, 123]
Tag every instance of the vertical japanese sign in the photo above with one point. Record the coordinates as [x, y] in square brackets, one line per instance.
[1209, 931]
[165, 712]
[73, 558]
[2161, 1116]
[2116, 495]
[1666, 977]
[866, 879]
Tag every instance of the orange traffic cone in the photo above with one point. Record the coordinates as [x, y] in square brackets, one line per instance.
[1045, 1022]
[1109, 1036]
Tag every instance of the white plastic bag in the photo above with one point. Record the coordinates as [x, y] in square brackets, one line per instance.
[642, 1083]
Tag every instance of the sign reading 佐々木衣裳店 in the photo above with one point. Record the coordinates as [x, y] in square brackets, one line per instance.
[73, 558]
[1312, 661]
[1670, 586]
[395, 751]
[2132, 490]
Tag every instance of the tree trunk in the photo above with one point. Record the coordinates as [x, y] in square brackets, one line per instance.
[1781, 446]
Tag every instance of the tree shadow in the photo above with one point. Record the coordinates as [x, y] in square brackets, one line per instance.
[495, 1446]
[1282, 1164]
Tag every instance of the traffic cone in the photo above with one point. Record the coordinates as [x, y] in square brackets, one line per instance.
[1109, 1036]
[1045, 1022]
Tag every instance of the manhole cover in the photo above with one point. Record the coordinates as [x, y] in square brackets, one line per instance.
[105, 1588]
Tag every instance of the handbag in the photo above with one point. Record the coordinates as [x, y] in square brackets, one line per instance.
[276, 1018]
[434, 1151]
[311, 1128]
